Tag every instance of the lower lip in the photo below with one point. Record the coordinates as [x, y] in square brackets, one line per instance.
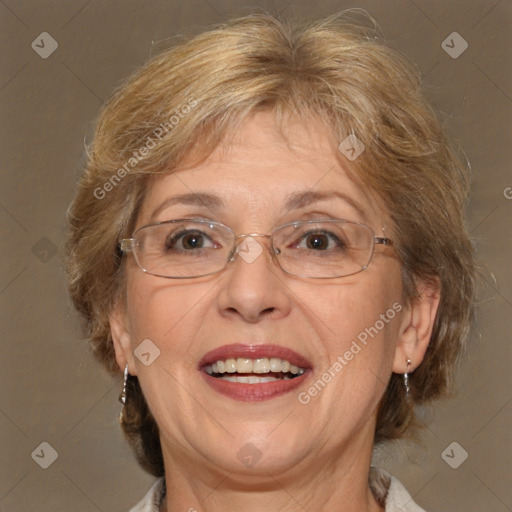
[254, 392]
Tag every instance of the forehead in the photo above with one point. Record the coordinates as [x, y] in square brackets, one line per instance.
[265, 169]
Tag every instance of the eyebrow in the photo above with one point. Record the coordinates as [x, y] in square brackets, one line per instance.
[294, 201]
[302, 199]
[198, 199]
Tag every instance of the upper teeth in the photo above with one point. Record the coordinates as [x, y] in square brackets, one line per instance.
[263, 365]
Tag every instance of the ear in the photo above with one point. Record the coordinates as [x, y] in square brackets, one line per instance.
[121, 337]
[416, 329]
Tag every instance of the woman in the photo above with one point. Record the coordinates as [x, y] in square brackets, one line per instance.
[269, 242]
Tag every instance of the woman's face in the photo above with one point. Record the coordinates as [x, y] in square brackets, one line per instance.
[342, 331]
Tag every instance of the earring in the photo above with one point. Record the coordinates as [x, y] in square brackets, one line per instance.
[406, 378]
[122, 396]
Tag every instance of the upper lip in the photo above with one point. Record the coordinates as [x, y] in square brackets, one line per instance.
[236, 350]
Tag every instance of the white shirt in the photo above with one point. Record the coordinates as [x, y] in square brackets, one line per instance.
[388, 491]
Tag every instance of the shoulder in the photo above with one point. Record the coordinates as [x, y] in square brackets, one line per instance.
[153, 498]
[390, 492]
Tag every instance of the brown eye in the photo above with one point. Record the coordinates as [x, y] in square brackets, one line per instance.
[317, 242]
[320, 241]
[192, 241]
[186, 240]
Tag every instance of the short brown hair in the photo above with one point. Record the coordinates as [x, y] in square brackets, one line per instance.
[203, 89]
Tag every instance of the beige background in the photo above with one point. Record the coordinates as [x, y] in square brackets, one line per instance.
[52, 391]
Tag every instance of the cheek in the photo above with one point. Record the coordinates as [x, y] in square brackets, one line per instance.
[364, 309]
[162, 311]
[360, 322]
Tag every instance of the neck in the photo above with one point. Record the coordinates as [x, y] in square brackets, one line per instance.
[335, 481]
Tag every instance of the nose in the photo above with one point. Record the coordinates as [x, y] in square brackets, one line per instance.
[253, 287]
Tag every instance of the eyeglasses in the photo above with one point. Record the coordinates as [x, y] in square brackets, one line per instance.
[187, 248]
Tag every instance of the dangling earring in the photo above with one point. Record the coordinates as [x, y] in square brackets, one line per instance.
[122, 396]
[406, 378]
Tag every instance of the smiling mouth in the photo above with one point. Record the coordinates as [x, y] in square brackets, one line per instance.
[253, 371]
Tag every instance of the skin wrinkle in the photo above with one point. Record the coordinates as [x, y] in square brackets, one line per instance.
[321, 453]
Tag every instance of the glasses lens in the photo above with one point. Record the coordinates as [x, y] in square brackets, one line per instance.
[323, 249]
[183, 248]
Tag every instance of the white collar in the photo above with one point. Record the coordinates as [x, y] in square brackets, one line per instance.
[388, 491]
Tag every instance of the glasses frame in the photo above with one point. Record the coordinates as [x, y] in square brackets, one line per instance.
[128, 245]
